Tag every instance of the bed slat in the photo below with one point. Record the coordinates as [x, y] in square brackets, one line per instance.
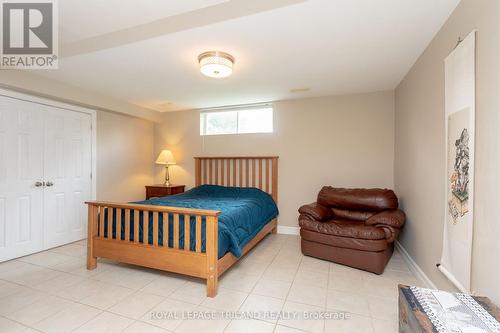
[253, 172]
[127, 225]
[145, 227]
[234, 172]
[101, 222]
[165, 229]
[260, 173]
[198, 173]
[155, 228]
[198, 234]
[205, 180]
[136, 226]
[217, 171]
[118, 224]
[110, 223]
[222, 172]
[176, 231]
[267, 176]
[210, 171]
[187, 225]
[240, 172]
[247, 173]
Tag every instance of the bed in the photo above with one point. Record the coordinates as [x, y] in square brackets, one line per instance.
[199, 233]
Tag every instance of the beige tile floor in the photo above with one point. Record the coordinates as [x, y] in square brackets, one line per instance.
[53, 292]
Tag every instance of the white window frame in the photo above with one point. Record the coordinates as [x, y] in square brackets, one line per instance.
[203, 121]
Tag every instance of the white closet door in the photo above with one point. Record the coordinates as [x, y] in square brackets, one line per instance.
[67, 174]
[21, 166]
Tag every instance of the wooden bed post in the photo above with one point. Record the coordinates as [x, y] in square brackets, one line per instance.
[212, 255]
[92, 232]
[274, 187]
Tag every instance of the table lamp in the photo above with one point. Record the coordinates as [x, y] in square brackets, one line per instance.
[166, 158]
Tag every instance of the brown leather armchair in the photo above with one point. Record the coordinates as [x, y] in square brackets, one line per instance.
[353, 227]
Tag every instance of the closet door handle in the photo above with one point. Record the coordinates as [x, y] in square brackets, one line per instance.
[49, 184]
[39, 184]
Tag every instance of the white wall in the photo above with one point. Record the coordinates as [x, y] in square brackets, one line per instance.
[125, 158]
[420, 147]
[341, 141]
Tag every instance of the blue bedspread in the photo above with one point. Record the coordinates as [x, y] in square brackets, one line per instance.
[244, 212]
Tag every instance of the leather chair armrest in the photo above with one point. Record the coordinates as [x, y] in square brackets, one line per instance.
[391, 233]
[316, 212]
[391, 218]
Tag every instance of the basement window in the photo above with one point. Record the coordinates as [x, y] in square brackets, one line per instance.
[244, 120]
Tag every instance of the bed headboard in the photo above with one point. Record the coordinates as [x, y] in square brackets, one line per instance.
[241, 171]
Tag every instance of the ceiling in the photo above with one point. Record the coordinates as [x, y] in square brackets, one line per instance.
[79, 19]
[147, 55]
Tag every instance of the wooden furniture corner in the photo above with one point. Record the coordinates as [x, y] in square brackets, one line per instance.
[160, 190]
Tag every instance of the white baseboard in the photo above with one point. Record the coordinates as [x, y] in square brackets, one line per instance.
[285, 230]
[419, 273]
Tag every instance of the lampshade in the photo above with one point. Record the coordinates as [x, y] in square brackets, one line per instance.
[216, 64]
[165, 157]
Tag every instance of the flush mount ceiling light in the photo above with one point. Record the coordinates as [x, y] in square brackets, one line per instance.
[216, 64]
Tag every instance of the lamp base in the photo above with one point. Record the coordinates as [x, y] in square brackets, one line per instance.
[167, 176]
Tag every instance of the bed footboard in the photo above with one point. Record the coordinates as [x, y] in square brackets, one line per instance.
[115, 230]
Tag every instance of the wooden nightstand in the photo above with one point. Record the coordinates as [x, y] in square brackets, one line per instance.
[155, 191]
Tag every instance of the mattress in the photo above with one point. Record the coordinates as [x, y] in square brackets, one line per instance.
[244, 212]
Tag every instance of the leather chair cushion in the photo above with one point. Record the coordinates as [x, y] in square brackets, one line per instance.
[373, 245]
[370, 261]
[358, 199]
[357, 215]
[343, 228]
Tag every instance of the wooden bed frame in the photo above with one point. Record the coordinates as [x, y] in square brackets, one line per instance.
[252, 171]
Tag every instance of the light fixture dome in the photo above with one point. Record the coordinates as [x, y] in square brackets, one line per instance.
[216, 64]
